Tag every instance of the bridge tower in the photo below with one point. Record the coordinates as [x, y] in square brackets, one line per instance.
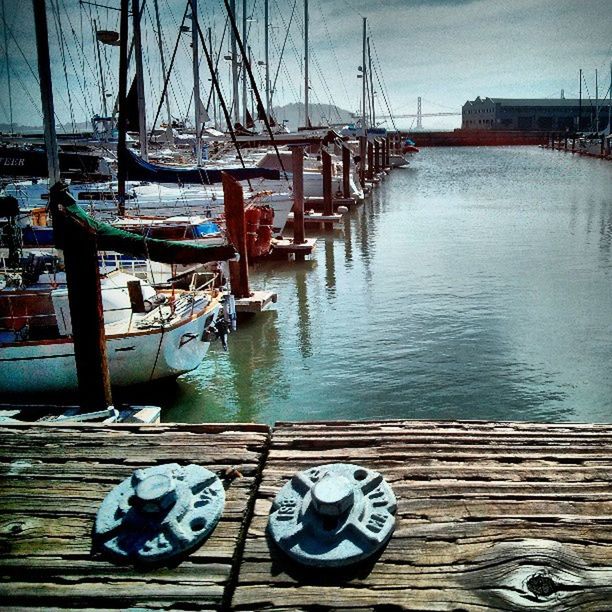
[419, 117]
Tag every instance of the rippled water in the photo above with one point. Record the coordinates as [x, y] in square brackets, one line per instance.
[475, 284]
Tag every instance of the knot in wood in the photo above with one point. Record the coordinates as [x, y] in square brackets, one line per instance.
[542, 585]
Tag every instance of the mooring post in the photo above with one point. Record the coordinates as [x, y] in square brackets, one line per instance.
[370, 172]
[328, 207]
[603, 142]
[86, 309]
[346, 171]
[376, 157]
[297, 159]
[565, 141]
[362, 160]
[233, 202]
[574, 143]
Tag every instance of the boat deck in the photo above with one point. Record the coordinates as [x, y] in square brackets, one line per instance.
[490, 516]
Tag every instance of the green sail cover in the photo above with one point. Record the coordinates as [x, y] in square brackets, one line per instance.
[68, 216]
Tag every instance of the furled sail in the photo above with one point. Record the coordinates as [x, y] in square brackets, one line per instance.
[138, 169]
[67, 214]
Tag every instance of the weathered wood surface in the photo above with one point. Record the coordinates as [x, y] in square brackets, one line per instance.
[490, 517]
[52, 480]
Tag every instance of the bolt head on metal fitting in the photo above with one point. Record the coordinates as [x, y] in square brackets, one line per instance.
[333, 515]
[159, 513]
[156, 492]
[332, 496]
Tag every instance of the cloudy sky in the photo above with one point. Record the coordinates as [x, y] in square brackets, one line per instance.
[446, 51]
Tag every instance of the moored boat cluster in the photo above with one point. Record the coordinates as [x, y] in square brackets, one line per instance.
[123, 257]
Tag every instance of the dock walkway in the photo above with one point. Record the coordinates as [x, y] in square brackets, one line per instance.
[52, 481]
[490, 516]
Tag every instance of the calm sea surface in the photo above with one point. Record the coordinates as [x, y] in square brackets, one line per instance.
[475, 284]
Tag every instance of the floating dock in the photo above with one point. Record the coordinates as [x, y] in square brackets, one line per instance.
[490, 516]
[258, 301]
[283, 248]
[318, 220]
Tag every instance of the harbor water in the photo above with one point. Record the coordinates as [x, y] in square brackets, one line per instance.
[474, 284]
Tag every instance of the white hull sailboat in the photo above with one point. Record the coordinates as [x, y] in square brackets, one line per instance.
[170, 339]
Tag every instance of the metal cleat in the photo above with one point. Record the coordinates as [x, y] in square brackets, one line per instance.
[333, 515]
[159, 513]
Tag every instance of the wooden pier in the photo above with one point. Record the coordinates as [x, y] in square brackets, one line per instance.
[490, 516]
[52, 481]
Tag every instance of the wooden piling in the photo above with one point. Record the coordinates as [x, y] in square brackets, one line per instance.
[297, 159]
[386, 156]
[370, 170]
[377, 165]
[328, 208]
[233, 200]
[346, 171]
[86, 314]
[362, 160]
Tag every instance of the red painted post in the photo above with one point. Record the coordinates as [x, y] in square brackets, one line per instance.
[297, 159]
[235, 224]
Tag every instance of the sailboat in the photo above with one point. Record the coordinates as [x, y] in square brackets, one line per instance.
[146, 334]
[150, 334]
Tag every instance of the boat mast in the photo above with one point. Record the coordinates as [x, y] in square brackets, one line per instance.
[364, 77]
[46, 89]
[267, 56]
[163, 67]
[102, 83]
[371, 84]
[245, 105]
[306, 108]
[596, 102]
[8, 67]
[196, 80]
[580, 100]
[234, 66]
[140, 93]
[122, 120]
[213, 94]
[80, 251]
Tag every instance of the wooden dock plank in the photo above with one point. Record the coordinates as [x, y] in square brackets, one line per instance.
[52, 480]
[483, 508]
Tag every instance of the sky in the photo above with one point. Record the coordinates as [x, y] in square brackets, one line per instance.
[445, 51]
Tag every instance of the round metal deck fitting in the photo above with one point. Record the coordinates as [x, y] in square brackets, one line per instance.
[333, 515]
[159, 513]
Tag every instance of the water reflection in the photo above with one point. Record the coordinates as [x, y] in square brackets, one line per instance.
[303, 312]
[330, 271]
[347, 221]
[474, 284]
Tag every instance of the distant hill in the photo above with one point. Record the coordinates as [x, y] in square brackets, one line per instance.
[83, 126]
[293, 114]
[320, 114]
